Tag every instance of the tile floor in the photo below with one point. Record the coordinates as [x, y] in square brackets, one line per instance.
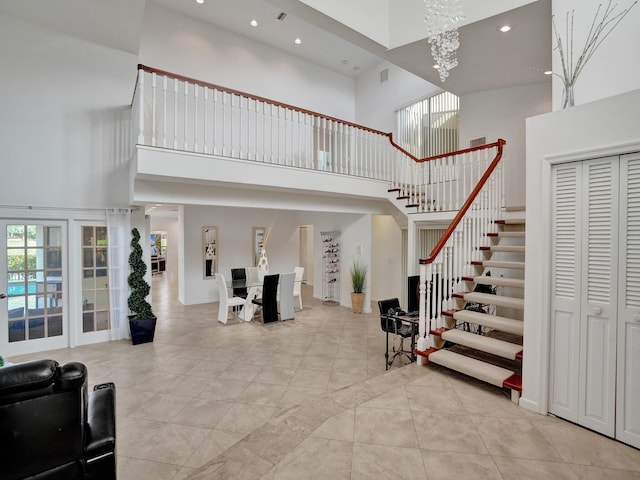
[310, 399]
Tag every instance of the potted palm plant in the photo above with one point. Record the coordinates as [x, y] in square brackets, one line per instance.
[142, 321]
[358, 277]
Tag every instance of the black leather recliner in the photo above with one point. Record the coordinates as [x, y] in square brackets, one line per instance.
[51, 428]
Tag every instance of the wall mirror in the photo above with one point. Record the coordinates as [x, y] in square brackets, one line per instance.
[258, 238]
[210, 251]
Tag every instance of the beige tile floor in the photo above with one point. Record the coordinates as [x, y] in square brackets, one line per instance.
[310, 399]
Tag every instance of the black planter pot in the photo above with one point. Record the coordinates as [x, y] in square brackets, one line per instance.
[142, 330]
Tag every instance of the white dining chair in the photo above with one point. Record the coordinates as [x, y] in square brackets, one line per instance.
[225, 301]
[297, 285]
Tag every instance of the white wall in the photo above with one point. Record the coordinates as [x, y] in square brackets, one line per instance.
[186, 46]
[502, 114]
[592, 130]
[65, 119]
[377, 102]
[614, 67]
[386, 264]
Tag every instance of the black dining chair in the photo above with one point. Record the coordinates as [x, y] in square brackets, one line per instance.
[269, 299]
[395, 327]
[239, 277]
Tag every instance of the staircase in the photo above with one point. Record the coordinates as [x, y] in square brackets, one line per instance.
[485, 342]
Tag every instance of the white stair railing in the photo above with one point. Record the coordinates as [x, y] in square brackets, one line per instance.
[442, 272]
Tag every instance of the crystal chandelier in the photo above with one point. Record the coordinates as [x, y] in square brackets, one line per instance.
[442, 18]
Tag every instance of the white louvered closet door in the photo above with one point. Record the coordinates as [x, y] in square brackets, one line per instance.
[595, 296]
[598, 309]
[565, 291]
[628, 379]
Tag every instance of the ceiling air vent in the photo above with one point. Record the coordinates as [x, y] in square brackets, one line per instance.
[281, 16]
[476, 142]
[384, 75]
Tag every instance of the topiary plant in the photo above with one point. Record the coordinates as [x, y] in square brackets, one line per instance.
[138, 286]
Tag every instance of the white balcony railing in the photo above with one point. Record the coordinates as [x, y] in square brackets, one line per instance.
[180, 113]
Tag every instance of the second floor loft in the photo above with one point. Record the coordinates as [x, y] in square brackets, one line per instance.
[192, 135]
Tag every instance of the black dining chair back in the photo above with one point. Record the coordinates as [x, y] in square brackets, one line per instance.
[239, 275]
[269, 300]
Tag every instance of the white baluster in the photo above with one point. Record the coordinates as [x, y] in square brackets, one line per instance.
[195, 117]
[215, 139]
[164, 111]
[205, 127]
[175, 113]
[186, 123]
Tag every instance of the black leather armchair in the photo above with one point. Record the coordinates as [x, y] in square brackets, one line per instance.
[51, 428]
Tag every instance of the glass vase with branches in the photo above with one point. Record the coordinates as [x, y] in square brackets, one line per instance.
[604, 21]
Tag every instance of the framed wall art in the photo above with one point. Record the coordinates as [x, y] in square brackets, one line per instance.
[257, 234]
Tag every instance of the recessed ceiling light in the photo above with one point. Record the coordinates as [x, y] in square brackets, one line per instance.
[200, 1]
[297, 41]
[436, 67]
[253, 23]
[505, 28]
[548, 72]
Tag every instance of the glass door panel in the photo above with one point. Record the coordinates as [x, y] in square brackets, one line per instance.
[32, 316]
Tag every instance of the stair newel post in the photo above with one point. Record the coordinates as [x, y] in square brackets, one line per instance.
[436, 297]
[186, 108]
[423, 294]
[141, 107]
[164, 111]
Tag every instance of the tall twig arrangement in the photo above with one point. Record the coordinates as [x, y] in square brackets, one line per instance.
[604, 21]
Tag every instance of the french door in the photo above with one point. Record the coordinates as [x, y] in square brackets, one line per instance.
[33, 290]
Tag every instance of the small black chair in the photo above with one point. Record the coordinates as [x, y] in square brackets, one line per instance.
[396, 327]
[269, 299]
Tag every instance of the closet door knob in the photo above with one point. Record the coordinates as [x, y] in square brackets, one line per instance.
[597, 310]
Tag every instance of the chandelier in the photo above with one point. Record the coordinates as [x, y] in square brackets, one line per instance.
[442, 18]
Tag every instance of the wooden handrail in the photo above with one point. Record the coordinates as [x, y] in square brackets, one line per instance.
[470, 199]
[258, 98]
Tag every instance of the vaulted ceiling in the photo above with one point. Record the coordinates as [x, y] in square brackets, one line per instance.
[488, 59]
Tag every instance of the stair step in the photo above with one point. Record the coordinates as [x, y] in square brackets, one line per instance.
[499, 264]
[503, 248]
[393, 190]
[506, 234]
[403, 197]
[510, 221]
[489, 299]
[470, 366]
[504, 324]
[483, 343]
[497, 281]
